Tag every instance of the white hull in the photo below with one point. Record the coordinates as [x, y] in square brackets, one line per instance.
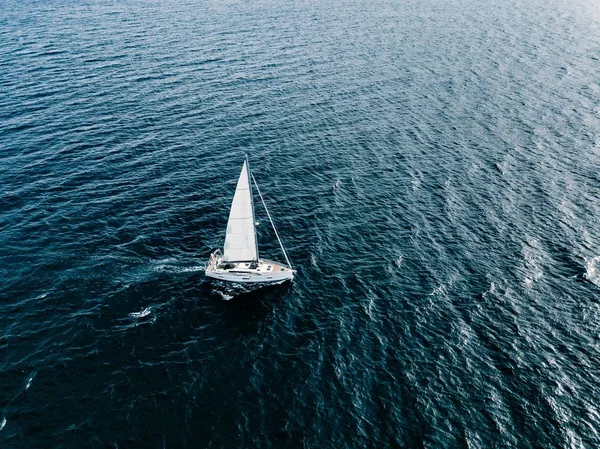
[261, 272]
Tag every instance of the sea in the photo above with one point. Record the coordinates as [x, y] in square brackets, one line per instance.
[433, 170]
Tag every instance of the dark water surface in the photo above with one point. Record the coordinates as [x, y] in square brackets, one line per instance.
[433, 167]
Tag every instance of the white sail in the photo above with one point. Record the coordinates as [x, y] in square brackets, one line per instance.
[240, 240]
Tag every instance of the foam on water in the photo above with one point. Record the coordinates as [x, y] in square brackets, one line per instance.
[175, 269]
[592, 270]
[225, 296]
[145, 312]
[30, 380]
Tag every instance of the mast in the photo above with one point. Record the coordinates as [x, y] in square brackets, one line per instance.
[272, 224]
[252, 202]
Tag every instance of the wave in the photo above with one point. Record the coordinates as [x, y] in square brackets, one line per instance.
[225, 296]
[175, 269]
[30, 380]
[592, 270]
[142, 313]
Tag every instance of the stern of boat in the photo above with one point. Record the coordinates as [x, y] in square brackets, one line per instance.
[213, 262]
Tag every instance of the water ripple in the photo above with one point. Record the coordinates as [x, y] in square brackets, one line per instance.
[432, 169]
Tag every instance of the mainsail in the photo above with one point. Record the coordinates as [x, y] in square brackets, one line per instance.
[240, 240]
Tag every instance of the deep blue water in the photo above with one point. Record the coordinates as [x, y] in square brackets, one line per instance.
[433, 168]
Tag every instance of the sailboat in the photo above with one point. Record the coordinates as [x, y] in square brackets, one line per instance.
[239, 261]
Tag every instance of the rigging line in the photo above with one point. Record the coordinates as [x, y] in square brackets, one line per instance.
[271, 220]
